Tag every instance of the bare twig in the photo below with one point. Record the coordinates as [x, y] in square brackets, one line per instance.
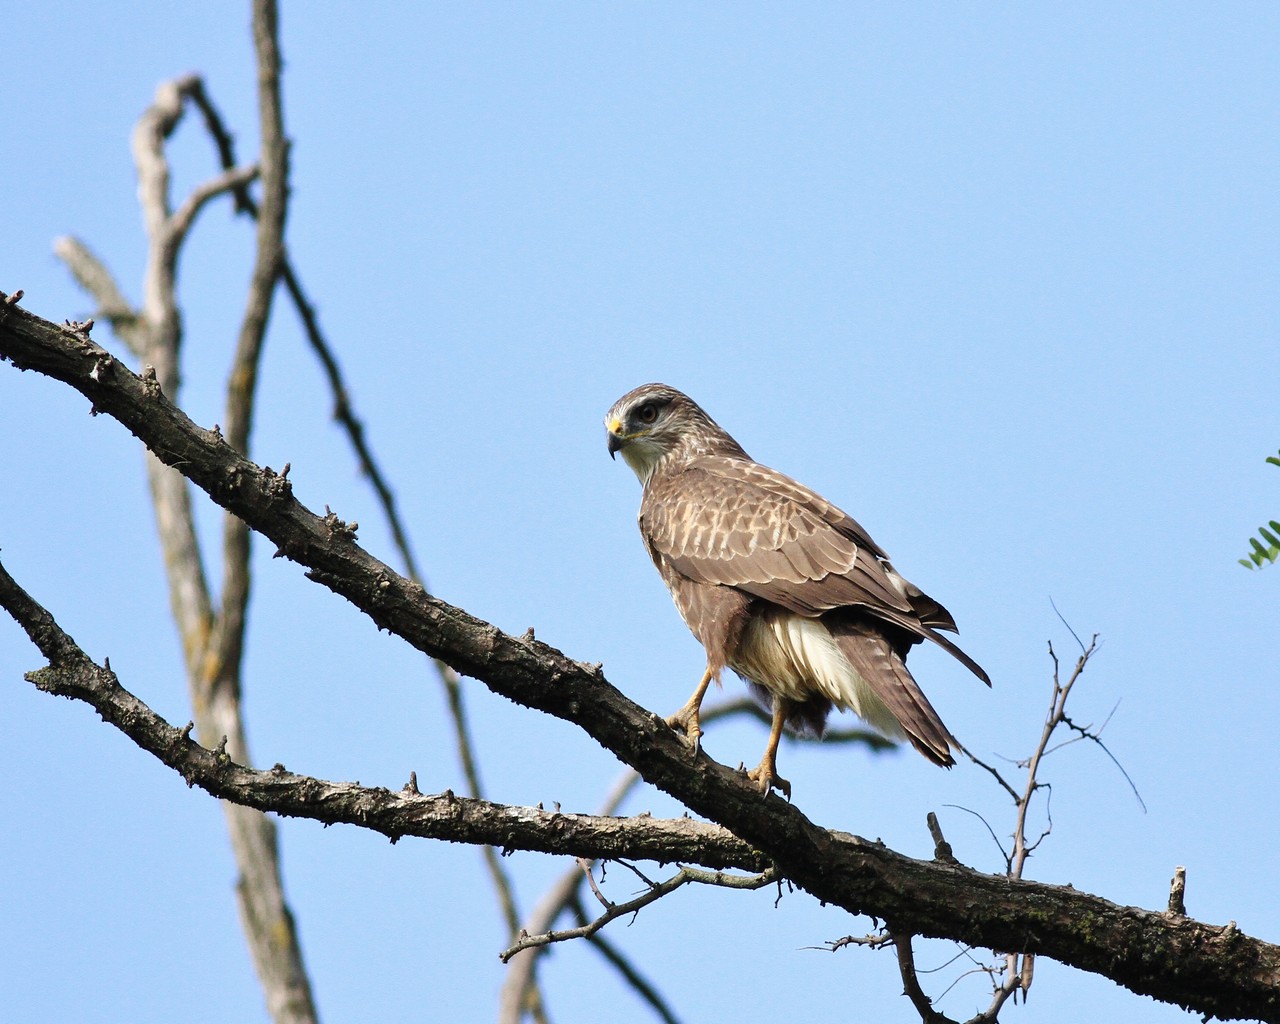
[95, 279]
[228, 181]
[1008, 860]
[1016, 973]
[872, 940]
[1018, 969]
[1088, 733]
[517, 985]
[995, 774]
[613, 911]
[1054, 718]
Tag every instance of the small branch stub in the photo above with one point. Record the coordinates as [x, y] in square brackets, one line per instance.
[941, 848]
[1178, 892]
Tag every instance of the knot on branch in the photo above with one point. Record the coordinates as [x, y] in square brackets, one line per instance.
[101, 365]
[276, 486]
[337, 527]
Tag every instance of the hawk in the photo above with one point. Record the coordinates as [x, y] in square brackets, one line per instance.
[777, 584]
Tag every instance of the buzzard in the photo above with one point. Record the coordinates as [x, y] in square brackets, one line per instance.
[777, 584]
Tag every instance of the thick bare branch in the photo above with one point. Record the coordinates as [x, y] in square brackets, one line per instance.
[1211, 969]
[395, 814]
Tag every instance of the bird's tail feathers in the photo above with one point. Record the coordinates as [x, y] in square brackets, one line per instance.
[949, 645]
[927, 631]
[888, 696]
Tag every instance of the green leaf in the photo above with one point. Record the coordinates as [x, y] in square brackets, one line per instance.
[1259, 555]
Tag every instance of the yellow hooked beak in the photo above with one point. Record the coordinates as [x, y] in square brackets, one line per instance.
[615, 439]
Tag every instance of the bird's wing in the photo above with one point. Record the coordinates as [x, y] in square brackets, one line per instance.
[732, 522]
[736, 523]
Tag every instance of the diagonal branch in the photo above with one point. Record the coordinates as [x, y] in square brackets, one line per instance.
[911, 981]
[1211, 969]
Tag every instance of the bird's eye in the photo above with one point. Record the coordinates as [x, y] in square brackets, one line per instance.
[647, 413]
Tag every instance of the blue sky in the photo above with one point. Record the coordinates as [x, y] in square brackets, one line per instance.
[999, 280]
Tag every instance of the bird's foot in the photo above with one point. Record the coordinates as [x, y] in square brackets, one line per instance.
[686, 720]
[765, 776]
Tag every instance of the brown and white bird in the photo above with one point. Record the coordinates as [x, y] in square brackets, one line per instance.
[777, 583]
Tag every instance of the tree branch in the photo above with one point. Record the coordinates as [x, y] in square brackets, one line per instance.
[71, 673]
[564, 892]
[212, 639]
[655, 892]
[344, 413]
[1218, 971]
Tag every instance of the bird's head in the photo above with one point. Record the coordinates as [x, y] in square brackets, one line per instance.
[655, 421]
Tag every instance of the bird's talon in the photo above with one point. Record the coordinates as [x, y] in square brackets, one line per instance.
[683, 721]
[766, 778]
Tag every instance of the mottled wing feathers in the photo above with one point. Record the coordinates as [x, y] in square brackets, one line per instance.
[736, 523]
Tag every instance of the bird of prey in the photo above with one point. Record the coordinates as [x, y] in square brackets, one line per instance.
[777, 584]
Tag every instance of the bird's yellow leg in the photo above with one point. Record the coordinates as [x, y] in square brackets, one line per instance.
[765, 775]
[687, 717]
